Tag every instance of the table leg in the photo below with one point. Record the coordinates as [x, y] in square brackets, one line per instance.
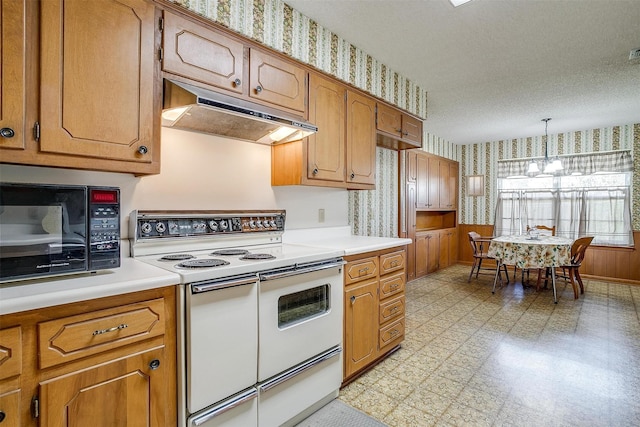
[553, 281]
[495, 279]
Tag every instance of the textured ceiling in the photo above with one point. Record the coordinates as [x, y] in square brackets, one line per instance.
[494, 68]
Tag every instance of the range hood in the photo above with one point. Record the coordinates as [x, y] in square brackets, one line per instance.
[196, 109]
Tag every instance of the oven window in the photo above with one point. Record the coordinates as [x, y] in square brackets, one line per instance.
[300, 306]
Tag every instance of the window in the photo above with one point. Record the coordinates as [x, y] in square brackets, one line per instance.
[591, 198]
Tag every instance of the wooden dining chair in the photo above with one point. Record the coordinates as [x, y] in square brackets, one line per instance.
[550, 231]
[571, 272]
[478, 244]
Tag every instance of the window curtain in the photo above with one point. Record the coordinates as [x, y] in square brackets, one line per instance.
[591, 196]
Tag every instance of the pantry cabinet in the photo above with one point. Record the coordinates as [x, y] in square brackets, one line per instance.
[342, 152]
[96, 105]
[428, 211]
[110, 359]
[374, 308]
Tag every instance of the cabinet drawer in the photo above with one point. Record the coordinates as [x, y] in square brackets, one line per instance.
[392, 285]
[391, 309]
[391, 262]
[10, 352]
[392, 334]
[361, 269]
[71, 338]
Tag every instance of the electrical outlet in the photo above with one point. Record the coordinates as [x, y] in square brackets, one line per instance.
[320, 215]
[634, 54]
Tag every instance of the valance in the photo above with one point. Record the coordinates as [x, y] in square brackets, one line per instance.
[585, 164]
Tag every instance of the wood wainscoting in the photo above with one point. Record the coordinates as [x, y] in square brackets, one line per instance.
[610, 263]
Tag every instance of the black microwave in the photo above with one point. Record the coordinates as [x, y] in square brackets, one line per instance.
[48, 230]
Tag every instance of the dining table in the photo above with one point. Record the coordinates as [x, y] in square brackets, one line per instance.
[531, 252]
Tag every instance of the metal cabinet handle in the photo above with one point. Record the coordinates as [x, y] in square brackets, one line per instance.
[154, 364]
[258, 89]
[143, 149]
[394, 287]
[394, 332]
[315, 171]
[7, 133]
[363, 271]
[352, 299]
[237, 82]
[353, 175]
[115, 328]
[2, 416]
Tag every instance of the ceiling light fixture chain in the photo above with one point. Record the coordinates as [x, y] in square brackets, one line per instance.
[550, 166]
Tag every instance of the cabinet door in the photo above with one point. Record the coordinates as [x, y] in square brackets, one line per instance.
[453, 186]
[421, 248]
[445, 243]
[412, 167]
[388, 120]
[202, 55]
[434, 183]
[277, 82]
[411, 230]
[10, 408]
[13, 73]
[360, 332]
[412, 129]
[433, 252]
[125, 393]
[97, 79]
[361, 139]
[422, 182]
[326, 148]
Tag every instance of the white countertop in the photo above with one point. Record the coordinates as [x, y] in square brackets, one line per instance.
[131, 276]
[342, 239]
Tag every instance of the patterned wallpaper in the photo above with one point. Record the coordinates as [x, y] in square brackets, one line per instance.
[481, 159]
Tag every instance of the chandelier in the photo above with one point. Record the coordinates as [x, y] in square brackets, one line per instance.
[550, 166]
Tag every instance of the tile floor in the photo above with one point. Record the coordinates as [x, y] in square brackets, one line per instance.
[509, 359]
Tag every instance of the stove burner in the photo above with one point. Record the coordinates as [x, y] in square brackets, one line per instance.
[202, 263]
[176, 257]
[230, 252]
[250, 257]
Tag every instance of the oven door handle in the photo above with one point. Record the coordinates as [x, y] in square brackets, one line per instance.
[200, 287]
[299, 369]
[300, 270]
[221, 409]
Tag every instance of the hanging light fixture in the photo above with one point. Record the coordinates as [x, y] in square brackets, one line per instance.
[550, 166]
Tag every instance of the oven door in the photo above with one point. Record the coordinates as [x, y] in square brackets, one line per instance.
[221, 339]
[300, 315]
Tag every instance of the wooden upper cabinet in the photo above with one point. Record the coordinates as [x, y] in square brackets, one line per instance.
[277, 82]
[12, 83]
[396, 129]
[361, 136]
[326, 148]
[97, 79]
[208, 57]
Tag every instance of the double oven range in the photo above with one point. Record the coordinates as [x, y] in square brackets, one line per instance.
[260, 321]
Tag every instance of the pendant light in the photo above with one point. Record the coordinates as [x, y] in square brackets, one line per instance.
[550, 166]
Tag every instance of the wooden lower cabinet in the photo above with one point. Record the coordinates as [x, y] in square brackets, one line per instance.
[374, 307]
[435, 250]
[104, 362]
[125, 392]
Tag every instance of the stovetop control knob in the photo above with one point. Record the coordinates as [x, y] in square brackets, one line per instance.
[224, 224]
[252, 224]
[173, 227]
[146, 228]
[259, 224]
[272, 223]
[213, 225]
[161, 227]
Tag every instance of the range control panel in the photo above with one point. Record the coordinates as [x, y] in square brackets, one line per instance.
[174, 224]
